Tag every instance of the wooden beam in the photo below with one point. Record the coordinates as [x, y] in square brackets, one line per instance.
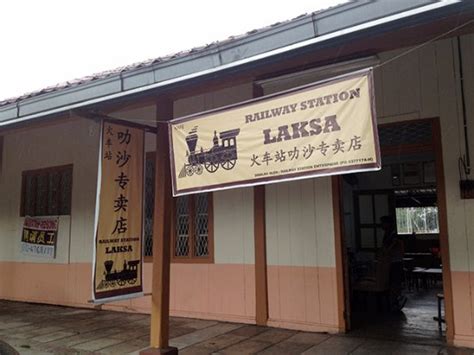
[160, 299]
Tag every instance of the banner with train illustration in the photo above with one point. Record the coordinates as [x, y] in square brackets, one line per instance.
[117, 272]
[322, 129]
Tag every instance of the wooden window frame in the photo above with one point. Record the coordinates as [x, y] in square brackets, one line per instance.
[48, 170]
[210, 221]
[191, 258]
[376, 224]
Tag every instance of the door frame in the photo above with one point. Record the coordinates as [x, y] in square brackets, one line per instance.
[434, 146]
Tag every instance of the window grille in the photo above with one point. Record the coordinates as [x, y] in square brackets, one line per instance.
[149, 203]
[182, 227]
[201, 226]
[192, 225]
[47, 192]
[191, 221]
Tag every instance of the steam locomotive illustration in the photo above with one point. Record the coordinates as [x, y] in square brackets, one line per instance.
[128, 274]
[219, 155]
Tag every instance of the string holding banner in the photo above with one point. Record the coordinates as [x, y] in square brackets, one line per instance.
[118, 266]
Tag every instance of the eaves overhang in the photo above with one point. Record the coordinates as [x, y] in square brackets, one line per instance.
[307, 33]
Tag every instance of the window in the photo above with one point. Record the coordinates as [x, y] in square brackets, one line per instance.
[191, 222]
[47, 192]
[192, 229]
[370, 206]
[419, 220]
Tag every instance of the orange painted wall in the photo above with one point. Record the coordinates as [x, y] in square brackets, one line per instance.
[463, 300]
[303, 298]
[212, 291]
[46, 283]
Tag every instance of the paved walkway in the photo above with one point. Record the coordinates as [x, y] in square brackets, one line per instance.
[43, 329]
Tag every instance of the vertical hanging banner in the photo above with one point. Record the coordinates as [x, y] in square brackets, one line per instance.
[321, 129]
[119, 216]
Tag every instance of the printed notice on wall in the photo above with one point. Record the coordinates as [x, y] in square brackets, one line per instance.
[326, 128]
[39, 236]
[119, 214]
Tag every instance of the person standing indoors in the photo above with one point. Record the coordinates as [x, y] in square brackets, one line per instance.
[392, 250]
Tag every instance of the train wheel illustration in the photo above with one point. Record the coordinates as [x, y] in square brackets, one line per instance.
[228, 162]
[189, 170]
[212, 163]
[132, 281]
[211, 167]
[198, 169]
[121, 282]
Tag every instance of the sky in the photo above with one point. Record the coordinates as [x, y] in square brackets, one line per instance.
[48, 42]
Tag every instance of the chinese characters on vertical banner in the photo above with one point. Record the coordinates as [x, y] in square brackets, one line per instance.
[39, 236]
[118, 241]
[323, 129]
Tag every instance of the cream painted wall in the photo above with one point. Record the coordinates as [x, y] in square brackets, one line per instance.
[425, 84]
[300, 225]
[69, 143]
[299, 217]
[233, 227]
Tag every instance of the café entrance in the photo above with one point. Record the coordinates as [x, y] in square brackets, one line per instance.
[394, 239]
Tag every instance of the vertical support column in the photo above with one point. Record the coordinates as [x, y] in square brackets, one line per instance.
[261, 284]
[443, 230]
[261, 287]
[160, 299]
[342, 280]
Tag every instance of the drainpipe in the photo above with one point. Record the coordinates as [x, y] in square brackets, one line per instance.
[466, 159]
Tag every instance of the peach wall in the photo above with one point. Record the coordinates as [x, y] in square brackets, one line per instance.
[211, 291]
[214, 291]
[300, 297]
[303, 298]
[64, 284]
[463, 299]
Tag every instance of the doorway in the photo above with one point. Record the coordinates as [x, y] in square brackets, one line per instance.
[396, 292]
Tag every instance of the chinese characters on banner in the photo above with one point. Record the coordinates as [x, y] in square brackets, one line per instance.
[39, 236]
[323, 129]
[119, 219]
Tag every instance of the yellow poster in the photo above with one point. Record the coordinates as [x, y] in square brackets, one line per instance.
[323, 129]
[118, 242]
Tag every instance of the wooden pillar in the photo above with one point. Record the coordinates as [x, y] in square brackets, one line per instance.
[160, 299]
[261, 284]
[342, 282]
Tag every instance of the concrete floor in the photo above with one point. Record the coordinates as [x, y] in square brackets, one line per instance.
[414, 324]
[44, 329]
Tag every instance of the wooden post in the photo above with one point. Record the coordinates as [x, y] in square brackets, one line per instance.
[261, 287]
[261, 284]
[343, 312]
[160, 298]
